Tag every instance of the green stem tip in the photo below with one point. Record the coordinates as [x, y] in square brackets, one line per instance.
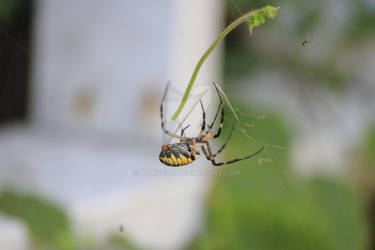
[253, 18]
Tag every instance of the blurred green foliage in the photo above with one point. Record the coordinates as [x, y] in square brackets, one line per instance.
[279, 47]
[7, 7]
[121, 242]
[267, 207]
[47, 223]
[363, 21]
[369, 147]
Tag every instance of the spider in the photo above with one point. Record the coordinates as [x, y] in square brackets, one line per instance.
[185, 151]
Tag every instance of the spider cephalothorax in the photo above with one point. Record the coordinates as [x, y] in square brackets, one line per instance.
[185, 151]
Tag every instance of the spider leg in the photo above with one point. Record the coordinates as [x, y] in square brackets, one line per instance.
[203, 123]
[182, 138]
[231, 161]
[193, 148]
[218, 108]
[205, 153]
[221, 106]
[209, 128]
[183, 130]
[219, 130]
[226, 141]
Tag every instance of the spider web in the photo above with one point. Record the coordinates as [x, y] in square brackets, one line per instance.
[246, 122]
[267, 106]
[243, 122]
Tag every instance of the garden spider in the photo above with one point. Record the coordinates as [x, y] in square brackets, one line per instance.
[185, 151]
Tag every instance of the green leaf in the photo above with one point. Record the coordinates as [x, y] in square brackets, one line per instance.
[259, 17]
[47, 223]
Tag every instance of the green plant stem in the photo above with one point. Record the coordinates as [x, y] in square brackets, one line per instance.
[222, 35]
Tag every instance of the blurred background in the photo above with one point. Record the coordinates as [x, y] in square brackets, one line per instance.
[80, 88]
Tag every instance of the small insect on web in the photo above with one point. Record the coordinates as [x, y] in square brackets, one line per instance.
[305, 43]
[186, 150]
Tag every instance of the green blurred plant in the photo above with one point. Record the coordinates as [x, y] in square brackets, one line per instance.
[6, 9]
[267, 207]
[363, 173]
[281, 51]
[362, 22]
[46, 222]
[121, 242]
[369, 147]
[49, 225]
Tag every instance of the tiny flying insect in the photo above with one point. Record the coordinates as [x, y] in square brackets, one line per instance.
[305, 43]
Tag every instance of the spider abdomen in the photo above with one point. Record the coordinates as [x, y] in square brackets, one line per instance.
[177, 154]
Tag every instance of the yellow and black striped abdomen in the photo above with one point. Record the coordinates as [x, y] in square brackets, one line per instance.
[177, 154]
